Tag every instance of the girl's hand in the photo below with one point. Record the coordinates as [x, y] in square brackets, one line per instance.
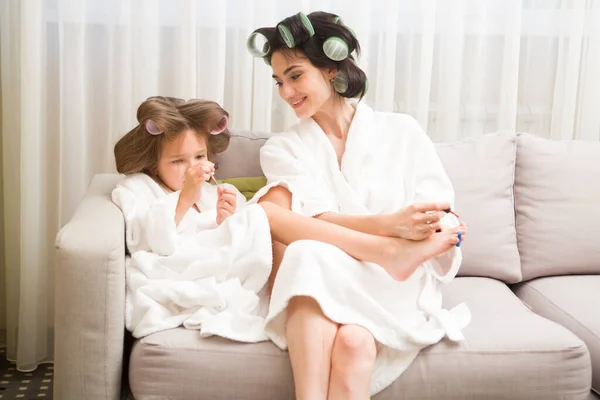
[195, 176]
[415, 222]
[226, 204]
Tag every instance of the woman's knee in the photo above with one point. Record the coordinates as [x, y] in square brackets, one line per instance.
[303, 305]
[354, 344]
[278, 195]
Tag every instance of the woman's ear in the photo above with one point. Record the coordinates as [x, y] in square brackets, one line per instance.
[331, 73]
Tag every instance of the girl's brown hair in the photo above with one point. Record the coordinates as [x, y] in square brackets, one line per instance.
[139, 151]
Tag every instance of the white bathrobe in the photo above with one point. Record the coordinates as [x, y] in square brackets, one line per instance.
[389, 163]
[195, 274]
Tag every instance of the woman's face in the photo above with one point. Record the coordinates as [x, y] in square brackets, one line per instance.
[306, 88]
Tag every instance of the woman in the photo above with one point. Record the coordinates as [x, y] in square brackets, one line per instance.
[352, 327]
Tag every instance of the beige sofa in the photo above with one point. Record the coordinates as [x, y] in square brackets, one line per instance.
[531, 277]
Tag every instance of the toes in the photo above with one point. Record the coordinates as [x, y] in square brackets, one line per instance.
[459, 239]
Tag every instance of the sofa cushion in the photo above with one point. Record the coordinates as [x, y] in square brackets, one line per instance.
[248, 186]
[504, 356]
[557, 187]
[241, 159]
[573, 302]
[481, 169]
[179, 364]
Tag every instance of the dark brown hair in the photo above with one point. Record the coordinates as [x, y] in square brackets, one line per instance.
[325, 25]
[139, 151]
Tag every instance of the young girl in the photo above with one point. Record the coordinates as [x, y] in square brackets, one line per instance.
[199, 254]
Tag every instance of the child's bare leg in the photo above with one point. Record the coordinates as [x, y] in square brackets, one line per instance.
[400, 257]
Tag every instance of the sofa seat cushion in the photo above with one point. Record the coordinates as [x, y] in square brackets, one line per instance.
[179, 364]
[510, 353]
[573, 302]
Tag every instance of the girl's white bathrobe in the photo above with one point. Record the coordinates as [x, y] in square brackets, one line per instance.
[389, 163]
[195, 274]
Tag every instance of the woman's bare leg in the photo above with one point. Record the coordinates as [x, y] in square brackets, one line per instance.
[352, 362]
[309, 333]
[310, 337]
[282, 198]
[400, 257]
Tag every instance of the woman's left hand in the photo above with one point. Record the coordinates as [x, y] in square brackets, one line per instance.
[226, 204]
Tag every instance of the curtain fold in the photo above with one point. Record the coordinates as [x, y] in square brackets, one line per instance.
[73, 72]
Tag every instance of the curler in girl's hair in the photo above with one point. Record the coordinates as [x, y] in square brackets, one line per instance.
[152, 128]
[221, 126]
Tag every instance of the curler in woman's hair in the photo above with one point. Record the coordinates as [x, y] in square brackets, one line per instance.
[307, 24]
[258, 45]
[340, 82]
[335, 48]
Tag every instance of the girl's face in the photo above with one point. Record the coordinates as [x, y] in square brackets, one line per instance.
[306, 88]
[177, 155]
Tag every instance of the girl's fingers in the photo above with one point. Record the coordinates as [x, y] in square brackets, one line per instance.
[228, 197]
[226, 209]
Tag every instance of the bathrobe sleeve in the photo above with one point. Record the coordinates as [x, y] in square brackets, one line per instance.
[432, 184]
[286, 162]
[149, 219]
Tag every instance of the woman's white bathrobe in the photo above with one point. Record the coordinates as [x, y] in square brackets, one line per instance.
[389, 163]
[195, 274]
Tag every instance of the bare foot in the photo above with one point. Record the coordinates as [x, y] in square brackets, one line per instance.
[401, 257]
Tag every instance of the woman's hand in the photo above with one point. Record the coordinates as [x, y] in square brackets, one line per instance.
[195, 176]
[226, 204]
[415, 222]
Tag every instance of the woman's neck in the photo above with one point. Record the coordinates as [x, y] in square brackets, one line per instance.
[335, 118]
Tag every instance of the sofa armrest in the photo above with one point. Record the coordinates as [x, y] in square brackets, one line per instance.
[90, 298]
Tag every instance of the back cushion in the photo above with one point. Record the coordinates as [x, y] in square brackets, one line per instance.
[241, 159]
[482, 169]
[557, 192]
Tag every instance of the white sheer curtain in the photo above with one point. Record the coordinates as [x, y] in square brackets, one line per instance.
[74, 71]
